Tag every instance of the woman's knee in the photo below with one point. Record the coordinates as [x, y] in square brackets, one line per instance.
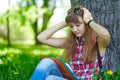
[49, 66]
[53, 77]
[45, 68]
[45, 64]
[42, 69]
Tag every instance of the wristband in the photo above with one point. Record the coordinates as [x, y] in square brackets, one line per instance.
[89, 23]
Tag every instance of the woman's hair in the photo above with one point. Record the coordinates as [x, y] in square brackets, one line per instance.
[89, 52]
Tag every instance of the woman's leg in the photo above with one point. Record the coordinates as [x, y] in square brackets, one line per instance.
[52, 77]
[45, 68]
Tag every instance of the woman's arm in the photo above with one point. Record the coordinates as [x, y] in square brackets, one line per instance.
[102, 32]
[45, 36]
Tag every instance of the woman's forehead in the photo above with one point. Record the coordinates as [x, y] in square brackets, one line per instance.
[79, 21]
[73, 23]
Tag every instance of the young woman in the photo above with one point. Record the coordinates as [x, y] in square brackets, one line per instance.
[80, 46]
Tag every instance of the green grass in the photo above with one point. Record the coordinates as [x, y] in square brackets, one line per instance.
[19, 61]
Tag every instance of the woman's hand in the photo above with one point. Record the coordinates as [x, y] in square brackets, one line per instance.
[87, 16]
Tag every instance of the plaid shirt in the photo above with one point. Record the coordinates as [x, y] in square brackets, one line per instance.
[82, 69]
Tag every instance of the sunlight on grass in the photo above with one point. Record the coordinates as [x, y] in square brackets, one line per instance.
[19, 59]
[9, 50]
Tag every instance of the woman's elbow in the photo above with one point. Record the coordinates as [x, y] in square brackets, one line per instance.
[39, 38]
[106, 36]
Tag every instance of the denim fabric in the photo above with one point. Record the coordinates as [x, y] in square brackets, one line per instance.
[45, 69]
[52, 77]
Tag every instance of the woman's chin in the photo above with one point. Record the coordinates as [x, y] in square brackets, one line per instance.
[78, 35]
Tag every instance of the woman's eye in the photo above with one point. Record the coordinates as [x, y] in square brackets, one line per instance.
[71, 26]
[78, 25]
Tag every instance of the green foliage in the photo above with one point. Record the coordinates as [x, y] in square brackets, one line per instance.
[106, 75]
[18, 62]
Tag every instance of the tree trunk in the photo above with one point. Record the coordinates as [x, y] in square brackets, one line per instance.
[36, 31]
[48, 14]
[8, 26]
[8, 32]
[106, 13]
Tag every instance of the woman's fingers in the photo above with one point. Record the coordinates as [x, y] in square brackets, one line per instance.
[87, 15]
[86, 11]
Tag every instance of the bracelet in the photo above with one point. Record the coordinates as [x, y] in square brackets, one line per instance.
[89, 23]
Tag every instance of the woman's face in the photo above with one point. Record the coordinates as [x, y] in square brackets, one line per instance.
[78, 28]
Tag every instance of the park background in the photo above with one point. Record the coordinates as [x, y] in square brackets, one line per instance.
[20, 23]
[22, 20]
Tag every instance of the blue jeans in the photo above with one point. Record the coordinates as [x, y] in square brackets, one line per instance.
[47, 69]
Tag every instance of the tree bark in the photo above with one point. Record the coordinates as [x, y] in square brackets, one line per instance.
[8, 27]
[35, 26]
[8, 31]
[106, 13]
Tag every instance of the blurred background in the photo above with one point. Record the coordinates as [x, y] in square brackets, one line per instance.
[20, 23]
[21, 20]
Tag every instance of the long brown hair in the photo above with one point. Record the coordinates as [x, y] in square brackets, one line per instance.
[89, 51]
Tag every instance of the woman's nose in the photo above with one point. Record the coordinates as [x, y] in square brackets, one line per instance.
[74, 29]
